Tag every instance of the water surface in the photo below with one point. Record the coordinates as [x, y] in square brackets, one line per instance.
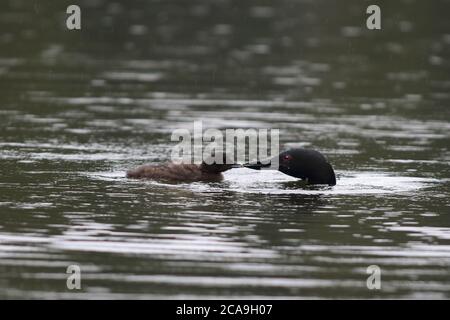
[80, 108]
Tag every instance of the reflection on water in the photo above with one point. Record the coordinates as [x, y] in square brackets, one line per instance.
[79, 109]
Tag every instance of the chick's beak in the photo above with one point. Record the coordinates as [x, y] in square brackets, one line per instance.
[257, 165]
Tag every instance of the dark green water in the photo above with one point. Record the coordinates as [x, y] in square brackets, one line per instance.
[78, 108]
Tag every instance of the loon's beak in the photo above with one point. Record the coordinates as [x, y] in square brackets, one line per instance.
[236, 165]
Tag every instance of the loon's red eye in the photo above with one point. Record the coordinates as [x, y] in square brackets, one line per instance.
[287, 157]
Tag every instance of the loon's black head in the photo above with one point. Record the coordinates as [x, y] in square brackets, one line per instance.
[305, 164]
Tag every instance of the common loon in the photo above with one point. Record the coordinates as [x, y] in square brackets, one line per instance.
[306, 164]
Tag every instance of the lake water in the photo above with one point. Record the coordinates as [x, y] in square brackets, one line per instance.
[79, 108]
